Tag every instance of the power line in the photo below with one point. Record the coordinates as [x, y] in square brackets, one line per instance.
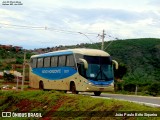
[41, 28]
[111, 41]
[5, 25]
[89, 39]
[23, 26]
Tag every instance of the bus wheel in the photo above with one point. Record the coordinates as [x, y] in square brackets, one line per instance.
[73, 88]
[41, 85]
[97, 93]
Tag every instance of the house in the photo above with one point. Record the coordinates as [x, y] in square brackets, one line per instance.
[9, 47]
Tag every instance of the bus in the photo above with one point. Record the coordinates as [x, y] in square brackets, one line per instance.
[75, 70]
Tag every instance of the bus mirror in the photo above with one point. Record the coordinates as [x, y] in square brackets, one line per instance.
[116, 64]
[85, 63]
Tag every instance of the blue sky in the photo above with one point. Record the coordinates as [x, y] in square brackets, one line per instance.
[58, 22]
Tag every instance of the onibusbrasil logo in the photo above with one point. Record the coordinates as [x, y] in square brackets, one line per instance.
[14, 114]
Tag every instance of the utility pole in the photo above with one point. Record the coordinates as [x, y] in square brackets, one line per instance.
[103, 36]
[24, 64]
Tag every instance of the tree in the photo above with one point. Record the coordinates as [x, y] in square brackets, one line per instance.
[19, 60]
[154, 89]
[122, 70]
[8, 77]
[137, 78]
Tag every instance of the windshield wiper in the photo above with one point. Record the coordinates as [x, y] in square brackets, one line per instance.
[105, 76]
[98, 74]
[102, 73]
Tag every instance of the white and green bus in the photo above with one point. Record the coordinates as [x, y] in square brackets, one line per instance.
[73, 70]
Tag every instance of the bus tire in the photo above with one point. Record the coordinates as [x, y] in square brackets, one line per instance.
[73, 88]
[41, 85]
[97, 93]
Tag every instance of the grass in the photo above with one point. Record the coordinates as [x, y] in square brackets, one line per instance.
[53, 103]
[82, 103]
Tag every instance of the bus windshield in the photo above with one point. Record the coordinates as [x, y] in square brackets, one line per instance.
[99, 68]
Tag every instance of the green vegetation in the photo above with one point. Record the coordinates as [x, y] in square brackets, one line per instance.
[139, 64]
[8, 77]
[141, 57]
[58, 104]
[10, 56]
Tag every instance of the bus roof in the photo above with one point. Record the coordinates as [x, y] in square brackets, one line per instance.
[83, 51]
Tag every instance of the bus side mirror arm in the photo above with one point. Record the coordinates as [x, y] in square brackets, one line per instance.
[116, 64]
[85, 63]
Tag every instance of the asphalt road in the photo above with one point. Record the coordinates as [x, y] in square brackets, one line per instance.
[149, 101]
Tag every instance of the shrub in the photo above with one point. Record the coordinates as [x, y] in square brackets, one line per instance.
[118, 86]
[154, 89]
[8, 77]
[129, 87]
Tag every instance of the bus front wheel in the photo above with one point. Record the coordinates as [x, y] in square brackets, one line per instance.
[73, 88]
[41, 85]
[97, 93]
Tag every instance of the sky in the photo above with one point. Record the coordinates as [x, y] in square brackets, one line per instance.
[48, 23]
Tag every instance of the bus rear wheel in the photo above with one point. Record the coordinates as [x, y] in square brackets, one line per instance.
[73, 88]
[97, 93]
[41, 85]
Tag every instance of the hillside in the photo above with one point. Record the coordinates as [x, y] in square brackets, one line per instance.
[139, 61]
[139, 55]
[10, 56]
[68, 106]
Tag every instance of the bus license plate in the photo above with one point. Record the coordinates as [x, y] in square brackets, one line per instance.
[101, 89]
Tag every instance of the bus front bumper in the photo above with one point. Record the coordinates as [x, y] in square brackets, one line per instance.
[109, 88]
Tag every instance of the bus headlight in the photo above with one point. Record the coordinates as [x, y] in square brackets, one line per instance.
[112, 84]
[89, 83]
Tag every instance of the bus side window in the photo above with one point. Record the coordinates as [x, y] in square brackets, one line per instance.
[70, 61]
[81, 69]
[62, 61]
[40, 62]
[47, 62]
[54, 61]
[34, 62]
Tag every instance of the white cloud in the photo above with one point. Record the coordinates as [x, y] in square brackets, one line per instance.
[122, 19]
[10, 14]
[155, 3]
